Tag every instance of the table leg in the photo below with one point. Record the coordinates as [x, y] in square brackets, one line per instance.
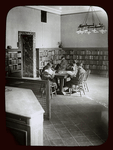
[61, 86]
[64, 82]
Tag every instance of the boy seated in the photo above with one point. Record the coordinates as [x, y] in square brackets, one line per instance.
[75, 80]
[48, 74]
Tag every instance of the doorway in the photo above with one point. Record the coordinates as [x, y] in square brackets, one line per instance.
[27, 46]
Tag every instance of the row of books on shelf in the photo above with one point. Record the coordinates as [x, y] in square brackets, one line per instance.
[46, 53]
[78, 52]
[96, 67]
[87, 57]
[87, 52]
[13, 55]
[92, 62]
[74, 51]
[53, 57]
[15, 67]
[14, 61]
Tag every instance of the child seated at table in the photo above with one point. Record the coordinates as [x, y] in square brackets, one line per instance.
[63, 64]
[75, 79]
[72, 69]
[47, 72]
[57, 68]
[74, 66]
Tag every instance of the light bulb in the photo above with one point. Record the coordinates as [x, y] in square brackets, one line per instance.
[82, 31]
[88, 32]
[101, 31]
[105, 30]
[78, 31]
[95, 31]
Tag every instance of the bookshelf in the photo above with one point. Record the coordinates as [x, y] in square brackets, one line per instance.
[45, 55]
[13, 61]
[95, 59]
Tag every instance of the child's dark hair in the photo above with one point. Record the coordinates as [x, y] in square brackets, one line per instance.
[79, 64]
[74, 61]
[57, 66]
[62, 57]
[48, 64]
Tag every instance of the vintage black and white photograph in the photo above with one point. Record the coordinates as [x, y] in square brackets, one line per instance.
[57, 75]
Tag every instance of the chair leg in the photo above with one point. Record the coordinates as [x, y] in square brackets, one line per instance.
[70, 91]
[87, 87]
[83, 91]
[81, 88]
[42, 92]
[80, 93]
[51, 93]
[55, 91]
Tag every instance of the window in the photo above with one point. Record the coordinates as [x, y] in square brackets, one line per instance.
[43, 16]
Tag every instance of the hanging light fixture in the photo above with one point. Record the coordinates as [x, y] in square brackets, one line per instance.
[95, 27]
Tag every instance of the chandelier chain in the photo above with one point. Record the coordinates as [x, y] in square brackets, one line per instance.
[85, 19]
[97, 17]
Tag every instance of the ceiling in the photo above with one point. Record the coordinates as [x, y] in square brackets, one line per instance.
[61, 10]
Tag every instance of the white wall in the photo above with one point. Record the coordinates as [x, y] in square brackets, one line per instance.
[70, 38]
[58, 28]
[28, 19]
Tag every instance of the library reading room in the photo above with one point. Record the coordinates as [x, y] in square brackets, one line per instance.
[57, 76]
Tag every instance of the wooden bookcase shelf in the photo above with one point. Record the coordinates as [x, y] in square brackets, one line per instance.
[13, 60]
[45, 55]
[95, 59]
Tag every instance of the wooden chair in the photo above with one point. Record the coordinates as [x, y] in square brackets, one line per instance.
[53, 87]
[85, 80]
[42, 89]
[79, 86]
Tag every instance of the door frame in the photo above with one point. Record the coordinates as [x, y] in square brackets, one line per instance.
[34, 51]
